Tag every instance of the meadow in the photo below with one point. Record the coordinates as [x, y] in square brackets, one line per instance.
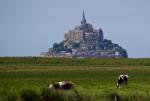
[94, 79]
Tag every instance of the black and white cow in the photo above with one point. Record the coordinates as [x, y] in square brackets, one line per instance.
[122, 80]
[62, 85]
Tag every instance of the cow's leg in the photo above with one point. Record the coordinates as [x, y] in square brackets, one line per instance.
[126, 82]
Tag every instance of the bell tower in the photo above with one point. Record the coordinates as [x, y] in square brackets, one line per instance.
[83, 21]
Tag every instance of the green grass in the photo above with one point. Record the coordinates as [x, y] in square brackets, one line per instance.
[74, 61]
[96, 82]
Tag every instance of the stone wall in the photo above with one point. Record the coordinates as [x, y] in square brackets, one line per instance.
[83, 33]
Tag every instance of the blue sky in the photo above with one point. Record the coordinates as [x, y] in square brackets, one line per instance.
[28, 27]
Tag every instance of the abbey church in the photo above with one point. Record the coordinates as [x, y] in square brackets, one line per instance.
[84, 33]
[85, 41]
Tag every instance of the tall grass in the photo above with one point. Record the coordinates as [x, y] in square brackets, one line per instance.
[8, 95]
[47, 94]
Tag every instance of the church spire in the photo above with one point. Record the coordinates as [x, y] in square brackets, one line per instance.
[83, 21]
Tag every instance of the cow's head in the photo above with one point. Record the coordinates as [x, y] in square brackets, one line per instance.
[50, 86]
[127, 76]
[117, 85]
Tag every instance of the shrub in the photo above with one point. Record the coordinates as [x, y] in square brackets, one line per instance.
[115, 97]
[28, 95]
[51, 95]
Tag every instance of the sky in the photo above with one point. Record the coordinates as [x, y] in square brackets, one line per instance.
[29, 27]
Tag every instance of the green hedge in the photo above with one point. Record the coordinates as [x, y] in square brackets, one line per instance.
[74, 61]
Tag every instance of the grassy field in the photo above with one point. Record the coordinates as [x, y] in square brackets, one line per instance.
[94, 79]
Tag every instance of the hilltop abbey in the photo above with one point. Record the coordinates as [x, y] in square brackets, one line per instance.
[85, 41]
[84, 34]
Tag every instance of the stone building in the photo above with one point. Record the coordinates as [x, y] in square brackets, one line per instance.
[84, 33]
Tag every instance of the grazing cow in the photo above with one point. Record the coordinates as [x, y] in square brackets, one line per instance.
[62, 85]
[122, 80]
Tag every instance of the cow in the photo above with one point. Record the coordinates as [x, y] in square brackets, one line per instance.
[122, 80]
[65, 85]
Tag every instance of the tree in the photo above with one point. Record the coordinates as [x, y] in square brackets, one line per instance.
[55, 46]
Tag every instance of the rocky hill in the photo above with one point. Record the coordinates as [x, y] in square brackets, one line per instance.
[85, 42]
